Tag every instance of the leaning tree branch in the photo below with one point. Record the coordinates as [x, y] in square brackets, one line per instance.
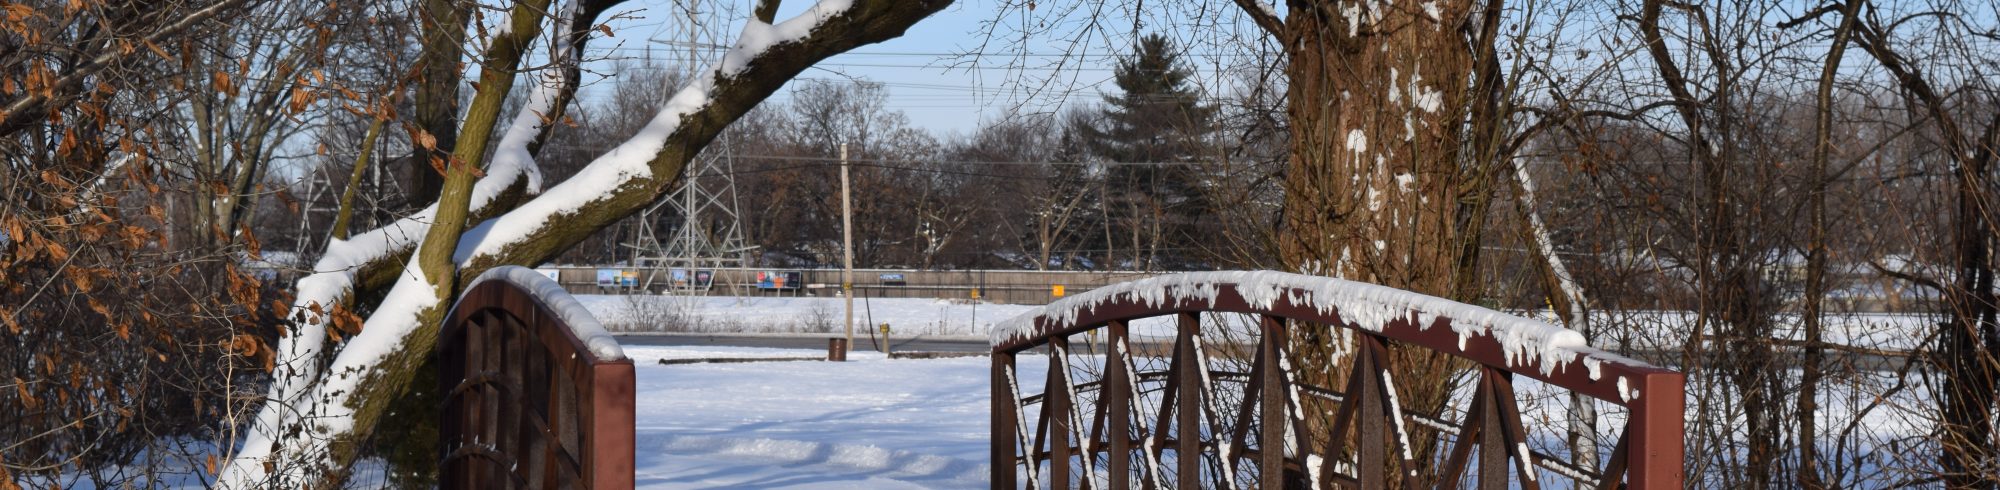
[614, 186]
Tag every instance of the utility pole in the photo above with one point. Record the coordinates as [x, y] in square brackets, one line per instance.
[847, 246]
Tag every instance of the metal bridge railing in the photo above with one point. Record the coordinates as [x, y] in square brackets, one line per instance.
[1205, 402]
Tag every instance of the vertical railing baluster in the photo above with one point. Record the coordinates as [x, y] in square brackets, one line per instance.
[1225, 460]
[1004, 422]
[1271, 388]
[1118, 406]
[1187, 425]
[1372, 440]
[475, 397]
[1399, 430]
[1164, 416]
[511, 423]
[1056, 407]
[1492, 441]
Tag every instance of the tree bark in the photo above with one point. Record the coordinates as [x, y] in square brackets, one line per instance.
[1387, 184]
[444, 23]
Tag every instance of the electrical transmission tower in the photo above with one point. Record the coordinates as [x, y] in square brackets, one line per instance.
[696, 227]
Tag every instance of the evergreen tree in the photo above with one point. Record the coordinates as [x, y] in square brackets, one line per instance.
[1158, 117]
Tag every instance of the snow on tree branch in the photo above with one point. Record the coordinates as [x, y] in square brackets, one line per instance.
[614, 185]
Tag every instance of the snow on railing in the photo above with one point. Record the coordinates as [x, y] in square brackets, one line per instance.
[1647, 455]
[558, 300]
[1365, 306]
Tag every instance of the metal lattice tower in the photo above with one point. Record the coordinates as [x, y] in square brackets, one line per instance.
[697, 226]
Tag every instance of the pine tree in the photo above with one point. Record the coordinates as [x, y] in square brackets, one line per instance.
[1158, 117]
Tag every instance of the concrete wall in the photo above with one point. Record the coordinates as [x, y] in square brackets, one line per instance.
[996, 286]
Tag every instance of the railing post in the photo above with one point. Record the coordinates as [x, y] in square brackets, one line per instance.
[1117, 394]
[1056, 402]
[612, 391]
[1656, 428]
[1370, 445]
[1004, 423]
[1271, 387]
[1492, 438]
[1187, 422]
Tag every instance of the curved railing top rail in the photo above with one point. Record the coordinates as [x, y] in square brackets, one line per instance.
[588, 335]
[1512, 343]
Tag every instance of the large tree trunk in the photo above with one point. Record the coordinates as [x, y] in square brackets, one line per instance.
[1387, 184]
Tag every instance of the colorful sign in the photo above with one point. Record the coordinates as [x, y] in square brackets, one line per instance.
[1056, 290]
[552, 274]
[607, 278]
[780, 279]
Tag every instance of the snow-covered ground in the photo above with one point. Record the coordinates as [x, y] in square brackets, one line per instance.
[868, 423]
[911, 316]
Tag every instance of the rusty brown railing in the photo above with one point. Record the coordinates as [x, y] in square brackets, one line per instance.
[536, 394]
[1182, 427]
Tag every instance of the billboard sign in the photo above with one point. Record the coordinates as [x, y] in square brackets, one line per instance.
[780, 279]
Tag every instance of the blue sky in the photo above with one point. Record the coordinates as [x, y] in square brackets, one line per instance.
[935, 89]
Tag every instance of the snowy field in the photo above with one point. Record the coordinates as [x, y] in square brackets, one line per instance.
[871, 423]
[773, 314]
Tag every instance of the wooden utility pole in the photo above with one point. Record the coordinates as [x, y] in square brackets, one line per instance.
[847, 246]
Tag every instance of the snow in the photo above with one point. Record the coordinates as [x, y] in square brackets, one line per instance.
[627, 164]
[758, 37]
[334, 277]
[813, 424]
[778, 314]
[581, 322]
[630, 162]
[1525, 341]
[1267, 8]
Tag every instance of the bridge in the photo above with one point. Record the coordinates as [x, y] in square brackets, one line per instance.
[1139, 374]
